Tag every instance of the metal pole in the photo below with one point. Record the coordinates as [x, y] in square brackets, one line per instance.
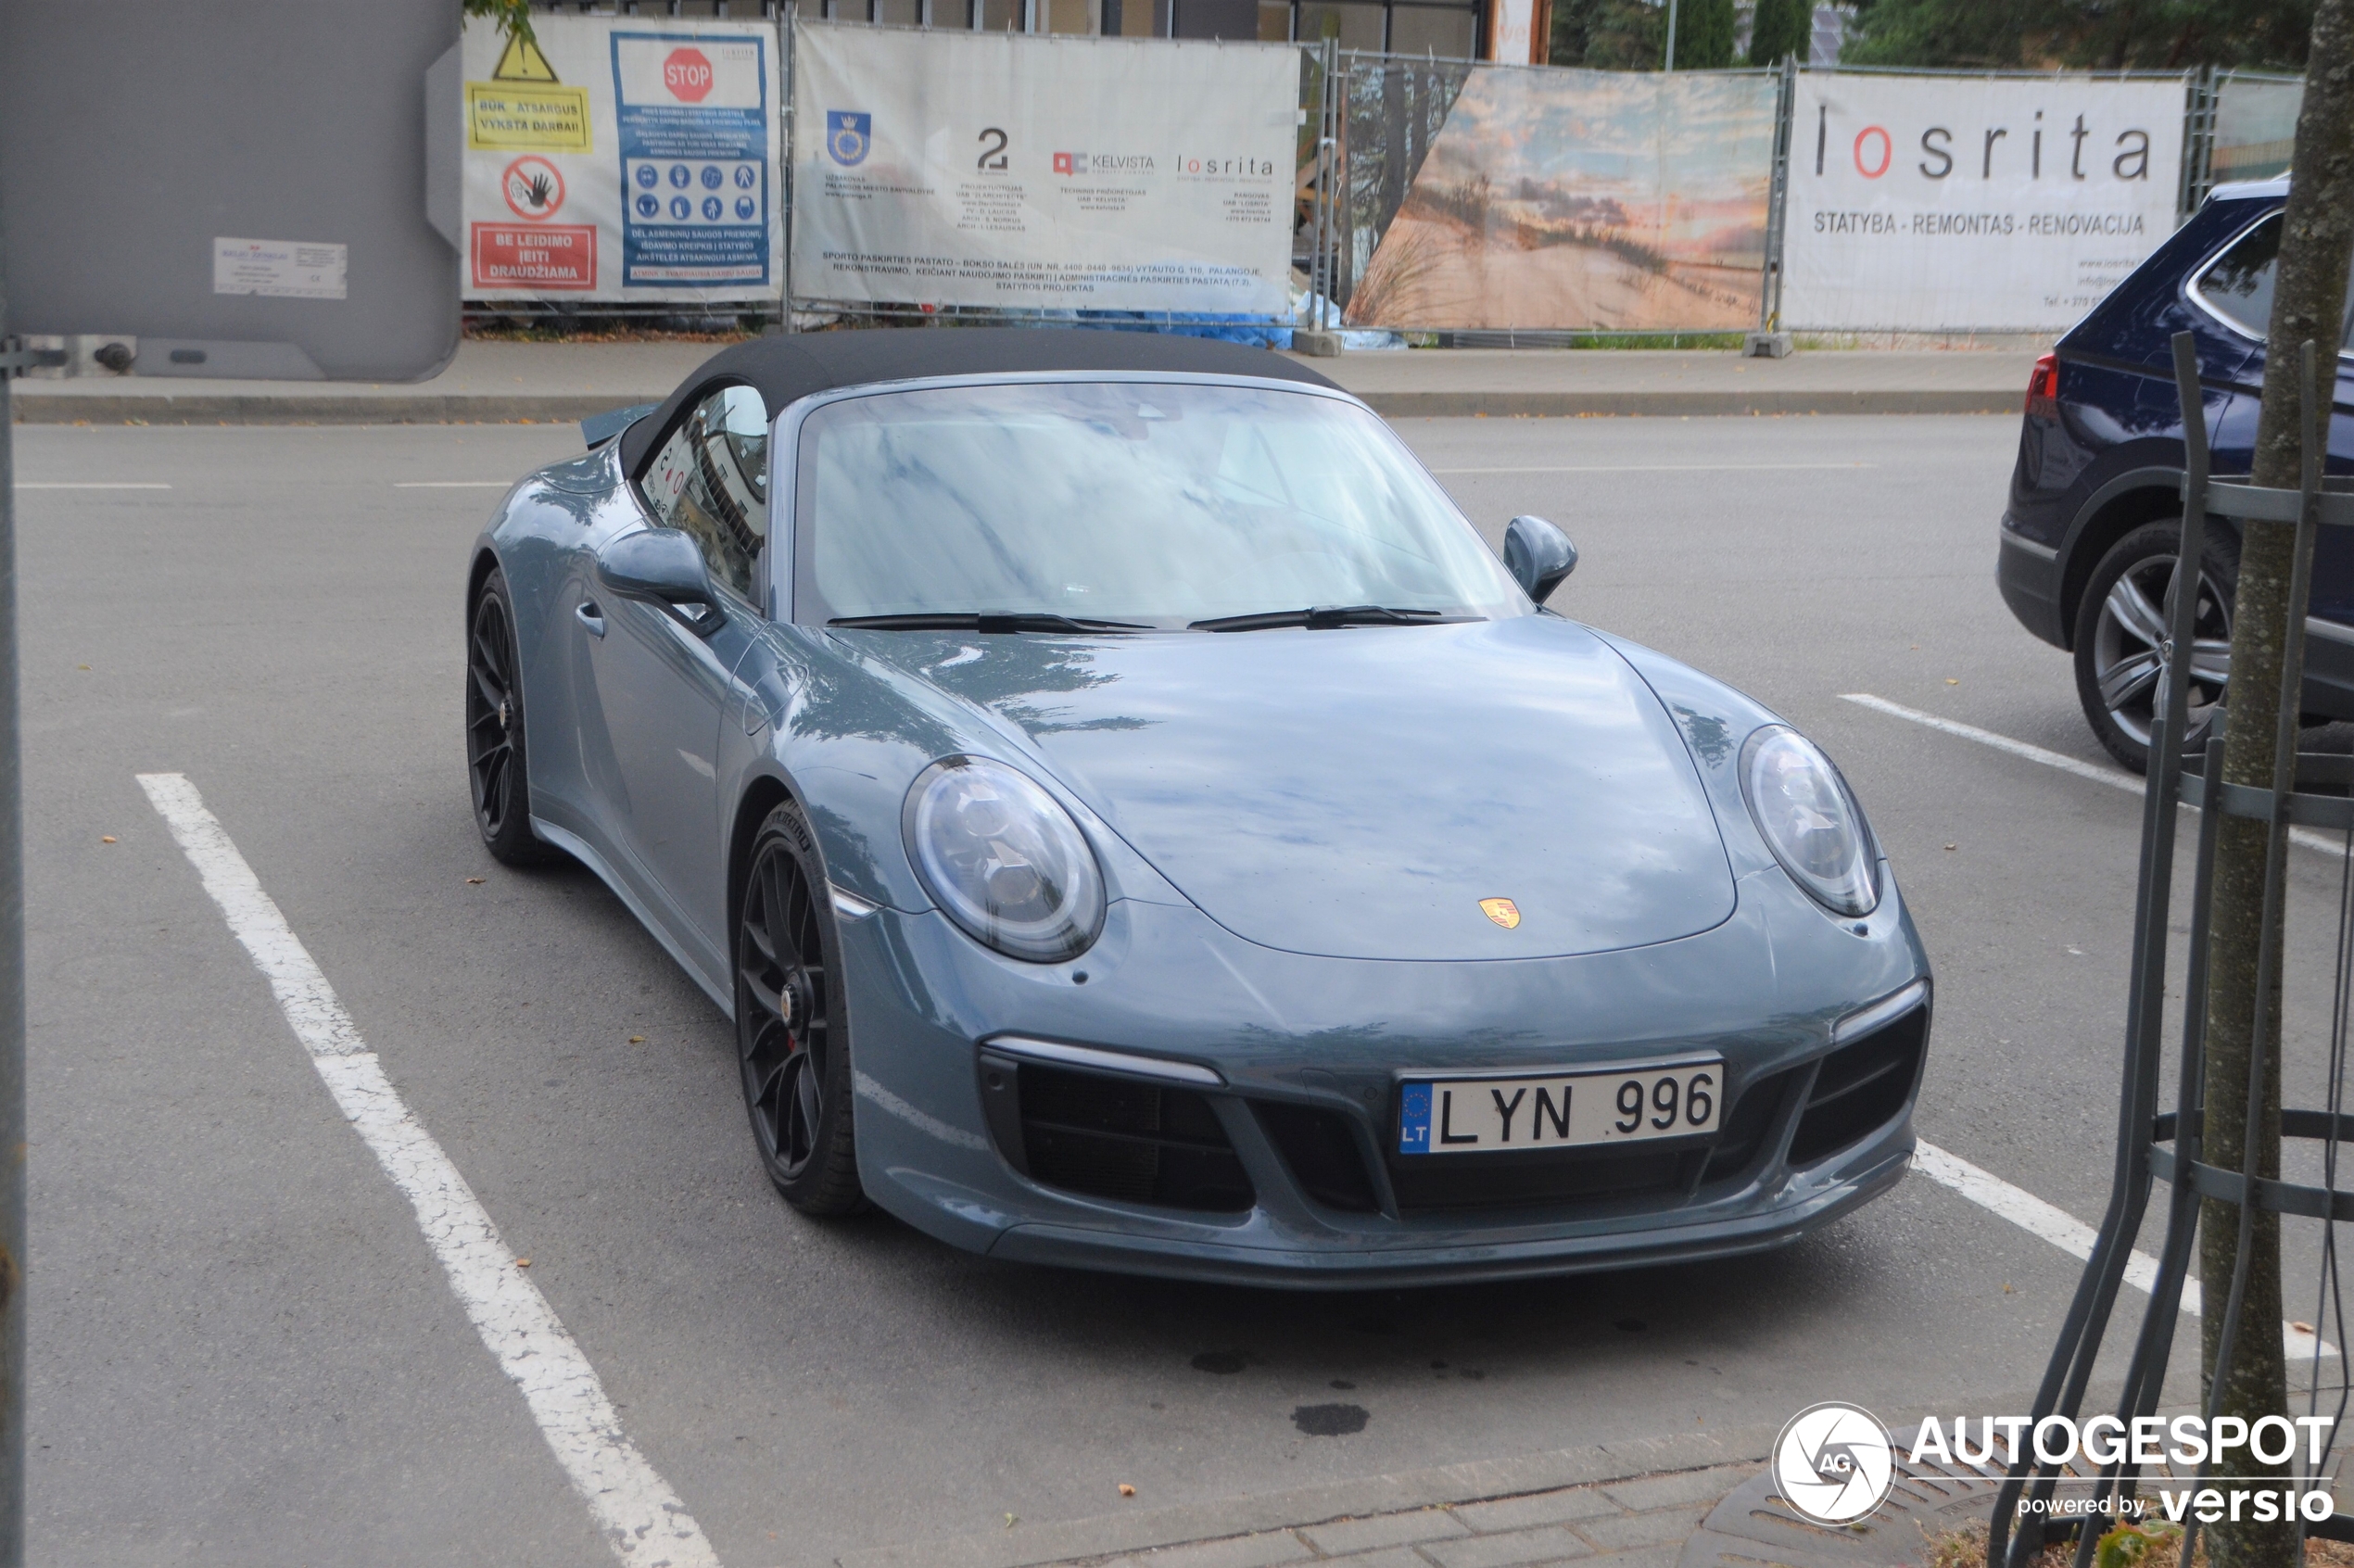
[1327, 147]
[1671, 37]
[788, 16]
[12, 1129]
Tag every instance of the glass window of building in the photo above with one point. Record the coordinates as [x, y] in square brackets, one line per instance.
[1437, 30]
[1358, 26]
[1447, 31]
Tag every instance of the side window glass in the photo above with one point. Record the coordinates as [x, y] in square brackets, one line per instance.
[2239, 284]
[711, 479]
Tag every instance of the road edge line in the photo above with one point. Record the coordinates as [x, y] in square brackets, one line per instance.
[2068, 1233]
[2126, 781]
[640, 1517]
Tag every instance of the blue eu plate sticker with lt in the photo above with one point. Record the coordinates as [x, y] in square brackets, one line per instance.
[1413, 1121]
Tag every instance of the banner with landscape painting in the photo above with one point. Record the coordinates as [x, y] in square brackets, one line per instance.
[1583, 200]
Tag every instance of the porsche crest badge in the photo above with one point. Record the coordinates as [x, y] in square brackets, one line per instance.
[1503, 911]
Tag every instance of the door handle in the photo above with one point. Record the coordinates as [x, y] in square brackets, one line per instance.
[590, 618]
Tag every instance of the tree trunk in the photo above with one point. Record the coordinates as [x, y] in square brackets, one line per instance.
[2308, 303]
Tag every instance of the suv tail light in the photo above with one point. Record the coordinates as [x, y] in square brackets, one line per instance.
[2043, 387]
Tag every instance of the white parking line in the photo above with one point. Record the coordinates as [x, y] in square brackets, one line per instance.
[454, 484]
[640, 1517]
[2098, 775]
[87, 485]
[2068, 1233]
[1661, 468]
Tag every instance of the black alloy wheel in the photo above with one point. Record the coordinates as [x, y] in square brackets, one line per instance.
[791, 1037]
[2124, 633]
[495, 767]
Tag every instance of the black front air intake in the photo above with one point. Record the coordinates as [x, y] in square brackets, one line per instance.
[1861, 1088]
[1112, 1137]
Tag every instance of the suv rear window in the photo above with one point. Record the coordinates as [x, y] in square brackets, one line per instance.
[2238, 285]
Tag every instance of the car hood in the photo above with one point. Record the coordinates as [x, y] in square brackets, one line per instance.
[1357, 792]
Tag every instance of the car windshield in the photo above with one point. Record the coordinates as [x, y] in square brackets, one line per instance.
[1149, 503]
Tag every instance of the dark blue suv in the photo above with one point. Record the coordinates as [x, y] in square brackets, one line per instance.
[2094, 525]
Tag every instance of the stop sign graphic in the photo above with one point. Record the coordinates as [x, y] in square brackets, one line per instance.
[688, 75]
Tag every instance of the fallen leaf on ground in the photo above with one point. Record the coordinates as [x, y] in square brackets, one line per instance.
[526, 1263]
[473, 881]
[1126, 1491]
[1951, 681]
[1953, 846]
[105, 837]
[2302, 1328]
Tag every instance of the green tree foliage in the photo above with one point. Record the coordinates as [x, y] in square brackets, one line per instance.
[2097, 34]
[1780, 27]
[1608, 34]
[1704, 34]
[514, 16]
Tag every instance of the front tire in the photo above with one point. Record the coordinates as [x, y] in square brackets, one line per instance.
[496, 769]
[790, 1039]
[2122, 623]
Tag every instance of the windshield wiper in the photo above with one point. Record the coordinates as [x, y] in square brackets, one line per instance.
[1319, 617]
[972, 621]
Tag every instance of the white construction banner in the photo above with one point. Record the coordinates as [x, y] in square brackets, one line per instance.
[952, 168]
[1931, 203]
[624, 158]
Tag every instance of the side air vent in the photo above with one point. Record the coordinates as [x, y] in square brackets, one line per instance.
[1861, 1088]
[1752, 1117]
[1322, 1153]
[1112, 1137]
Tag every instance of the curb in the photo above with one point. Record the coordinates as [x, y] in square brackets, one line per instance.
[1112, 1533]
[1685, 405]
[461, 408]
[324, 408]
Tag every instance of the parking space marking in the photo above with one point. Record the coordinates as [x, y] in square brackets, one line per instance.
[1662, 468]
[2111, 776]
[636, 1511]
[88, 484]
[2068, 1233]
[454, 484]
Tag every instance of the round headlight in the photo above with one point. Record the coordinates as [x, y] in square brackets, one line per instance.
[1004, 859]
[1809, 820]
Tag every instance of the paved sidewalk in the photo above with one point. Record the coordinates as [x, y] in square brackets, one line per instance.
[1615, 1505]
[496, 382]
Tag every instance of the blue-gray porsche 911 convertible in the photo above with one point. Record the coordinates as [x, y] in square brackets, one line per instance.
[1134, 821]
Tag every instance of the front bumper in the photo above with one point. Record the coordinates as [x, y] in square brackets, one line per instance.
[1288, 1035]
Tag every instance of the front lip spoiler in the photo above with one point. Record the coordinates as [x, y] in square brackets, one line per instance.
[1300, 1268]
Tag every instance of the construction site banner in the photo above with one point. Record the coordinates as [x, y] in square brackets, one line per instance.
[1583, 200]
[623, 159]
[1957, 203]
[1029, 173]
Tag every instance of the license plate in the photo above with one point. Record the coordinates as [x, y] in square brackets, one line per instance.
[1559, 1110]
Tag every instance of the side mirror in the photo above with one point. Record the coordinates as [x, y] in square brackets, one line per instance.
[662, 565]
[1538, 555]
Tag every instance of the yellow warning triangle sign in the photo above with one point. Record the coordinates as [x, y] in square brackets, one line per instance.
[522, 62]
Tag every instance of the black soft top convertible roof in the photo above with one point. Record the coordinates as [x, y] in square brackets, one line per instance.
[785, 368]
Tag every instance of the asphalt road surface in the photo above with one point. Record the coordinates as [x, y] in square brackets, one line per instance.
[244, 1350]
